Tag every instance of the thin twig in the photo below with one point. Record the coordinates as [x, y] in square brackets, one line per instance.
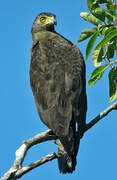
[100, 116]
[35, 164]
[114, 62]
[105, 56]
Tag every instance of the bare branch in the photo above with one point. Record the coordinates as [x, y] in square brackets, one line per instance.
[21, 152]
[13, 174]
[100, 116]
[33, 165]
[16, 171]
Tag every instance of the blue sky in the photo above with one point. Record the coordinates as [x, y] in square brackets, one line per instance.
[97, 158]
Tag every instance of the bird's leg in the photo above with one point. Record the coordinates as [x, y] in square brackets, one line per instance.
[54, 140]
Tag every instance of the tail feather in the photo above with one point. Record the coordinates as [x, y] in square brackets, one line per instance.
[66, 163]
[67, 152]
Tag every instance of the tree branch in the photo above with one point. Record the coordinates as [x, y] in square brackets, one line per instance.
[16, 171]
[35, 164]
[100, 116]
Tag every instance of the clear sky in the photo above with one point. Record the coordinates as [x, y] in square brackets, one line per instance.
[97, 158]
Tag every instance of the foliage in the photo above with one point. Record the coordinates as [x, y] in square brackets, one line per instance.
[102, 14]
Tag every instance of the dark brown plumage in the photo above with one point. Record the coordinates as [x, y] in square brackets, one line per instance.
[57, 76]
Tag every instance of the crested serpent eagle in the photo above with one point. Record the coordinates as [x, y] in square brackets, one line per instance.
[57, 77]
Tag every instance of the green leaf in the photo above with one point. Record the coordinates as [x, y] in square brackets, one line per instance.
[104, 28]
[107, 38]
[89, 4]
[110, 15]
[115, 18]
[111, 49]
[111, 6]
[113, 84]
[86, 33]
[92, 5]
[89, 31]
[108, 30]
[90, 18]
[97, 56]
[91, 43]
[99, 13]
[111, 45]
[83, 37]
[96, 74]
[101, 1]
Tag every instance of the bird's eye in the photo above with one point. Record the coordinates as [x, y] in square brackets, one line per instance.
[42, 19]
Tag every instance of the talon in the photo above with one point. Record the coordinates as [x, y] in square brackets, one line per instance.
[55, 142]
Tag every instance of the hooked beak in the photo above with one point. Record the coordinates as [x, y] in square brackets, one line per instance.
[53, 20]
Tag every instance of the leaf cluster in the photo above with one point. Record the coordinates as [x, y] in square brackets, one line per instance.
[103, 40]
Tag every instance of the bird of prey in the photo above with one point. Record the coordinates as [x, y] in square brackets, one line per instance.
[57, 77]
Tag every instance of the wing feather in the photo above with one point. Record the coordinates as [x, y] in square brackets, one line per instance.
[57, 75]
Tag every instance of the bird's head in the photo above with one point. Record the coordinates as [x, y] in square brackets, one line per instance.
[44, 21]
